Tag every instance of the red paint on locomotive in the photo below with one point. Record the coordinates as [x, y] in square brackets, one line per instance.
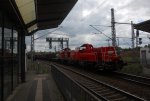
[101, 57]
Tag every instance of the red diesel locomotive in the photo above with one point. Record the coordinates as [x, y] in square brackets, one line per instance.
[101, 58]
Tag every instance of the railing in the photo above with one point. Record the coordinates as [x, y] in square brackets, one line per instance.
[71, 90]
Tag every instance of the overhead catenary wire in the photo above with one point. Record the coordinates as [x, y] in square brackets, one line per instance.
[125, 42]
[101, 25]
[48, 33]
[101, 32]
[94, 9]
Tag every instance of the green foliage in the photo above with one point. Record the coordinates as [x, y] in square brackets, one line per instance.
[41, 68]
[135, 69]
[132, 57]
[127, 59]
[38, 67]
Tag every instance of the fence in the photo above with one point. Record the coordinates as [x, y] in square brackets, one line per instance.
[71, 90]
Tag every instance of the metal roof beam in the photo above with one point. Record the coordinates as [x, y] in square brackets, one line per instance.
[32, 32]
[31, 23]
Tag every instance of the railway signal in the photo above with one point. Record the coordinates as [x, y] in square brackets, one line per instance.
[60, 40]
[136, 37]
[140, 40]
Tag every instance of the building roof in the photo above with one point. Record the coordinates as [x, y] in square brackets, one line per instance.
[37, 15]
[143, 26]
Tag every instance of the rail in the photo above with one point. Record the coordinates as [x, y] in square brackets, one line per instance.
[70, 88]
[133, 78]
[103, 90]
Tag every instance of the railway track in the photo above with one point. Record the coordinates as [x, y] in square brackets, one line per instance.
[144, 81]
[100, 89]
[133, 78]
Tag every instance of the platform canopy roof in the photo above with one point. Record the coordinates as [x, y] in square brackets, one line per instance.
[40, 14]
[143, 26]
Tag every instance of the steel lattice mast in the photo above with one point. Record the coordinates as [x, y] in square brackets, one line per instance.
[113, 28]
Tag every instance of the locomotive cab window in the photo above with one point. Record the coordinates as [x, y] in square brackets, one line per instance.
[82, 48]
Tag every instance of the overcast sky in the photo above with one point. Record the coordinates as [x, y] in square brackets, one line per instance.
[97, 12]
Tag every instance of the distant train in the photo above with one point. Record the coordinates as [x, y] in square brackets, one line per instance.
[101, 58]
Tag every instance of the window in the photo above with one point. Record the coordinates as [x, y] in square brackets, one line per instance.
[15, 59]
[9, 62]
[0, 55]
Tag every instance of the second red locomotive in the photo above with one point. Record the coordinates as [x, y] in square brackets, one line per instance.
[101, 58]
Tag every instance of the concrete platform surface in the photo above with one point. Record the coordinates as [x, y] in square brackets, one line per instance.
[38, 87]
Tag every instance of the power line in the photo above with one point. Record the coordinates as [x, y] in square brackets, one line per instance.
[123, 37]
[48, 33]
[123, 23]
[32, 43]
[101, 32]
[126, 43]
[95, 8]
[101, 25]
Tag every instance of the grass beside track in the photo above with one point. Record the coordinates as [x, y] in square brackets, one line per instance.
[38, 67]
[133, 66]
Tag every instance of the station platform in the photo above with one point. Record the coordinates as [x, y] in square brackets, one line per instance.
[38, 87]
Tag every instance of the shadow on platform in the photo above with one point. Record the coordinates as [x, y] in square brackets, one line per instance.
[38, 87]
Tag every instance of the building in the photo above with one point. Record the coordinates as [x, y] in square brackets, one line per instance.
[144, 52]
[145, 59]
[20, 18]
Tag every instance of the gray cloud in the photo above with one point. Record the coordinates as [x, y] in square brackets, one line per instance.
[97, 12]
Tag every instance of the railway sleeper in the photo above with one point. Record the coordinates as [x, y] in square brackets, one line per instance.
[120, 99]
[100, 89]
[97, 89]
[109, 93]
[104, 91]
[89, 85]
[87, 82]
[93, 87]
[113, 96]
